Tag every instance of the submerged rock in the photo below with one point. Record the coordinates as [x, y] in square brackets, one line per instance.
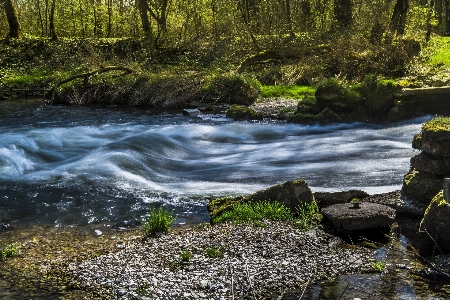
[290, 193]
[345, 218]
[436, 222]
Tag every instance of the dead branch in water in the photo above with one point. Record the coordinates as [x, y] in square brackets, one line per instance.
[86, 77]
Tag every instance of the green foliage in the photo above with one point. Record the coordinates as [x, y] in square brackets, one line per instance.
[159, 221]
[9, 250]
[232, 89]
[356, 200]
[336, 96]
[287, 91]
[307, 215]
[437, 52]
[215, 252]
[378, 93]
[378, 265]
[248, 212]
[186, 256]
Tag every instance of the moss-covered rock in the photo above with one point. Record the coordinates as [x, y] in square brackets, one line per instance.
[232, 89]
[301, 118]
[240, 112]
[328, 116]
[420, 186]
[437, 129]
[290, 193]
[334, 95]
[436, 222]
[427, 163]
[437, 149]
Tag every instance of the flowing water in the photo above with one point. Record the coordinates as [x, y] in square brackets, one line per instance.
[80, 165]
[75, 166]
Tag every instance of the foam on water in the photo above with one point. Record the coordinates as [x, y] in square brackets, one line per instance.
[97, 166]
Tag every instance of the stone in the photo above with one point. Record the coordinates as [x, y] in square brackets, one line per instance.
[325, 199]
[436, 149]
[421, 186]
[345, 218]
[446, 189]
[424, 162]
[290, 193]
[191, 112]
[436, 222]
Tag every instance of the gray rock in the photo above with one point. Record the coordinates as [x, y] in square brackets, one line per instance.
[436, 222]
[424, 162]
[191, 112]
[325, 199]
[345, 218]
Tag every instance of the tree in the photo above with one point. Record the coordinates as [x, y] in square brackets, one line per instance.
[398, 20]
[15, 31]
[143, 8]
[52, 32]
[343, 13]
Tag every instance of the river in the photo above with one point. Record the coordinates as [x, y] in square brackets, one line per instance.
[73, 166]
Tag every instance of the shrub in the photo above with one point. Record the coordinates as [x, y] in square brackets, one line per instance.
[232, 89]
[9, 250]
[158, 222]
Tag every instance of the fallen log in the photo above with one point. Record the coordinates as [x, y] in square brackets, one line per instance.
[86, 77]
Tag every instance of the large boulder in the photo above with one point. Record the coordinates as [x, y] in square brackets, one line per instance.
[420, 187]
[436, 222]
[290, 193]
[345, 218]
[436, 149]
[424, 162]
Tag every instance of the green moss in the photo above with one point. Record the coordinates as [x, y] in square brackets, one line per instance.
[301, 118]
[287, 91]
[336, 96]
[421, 187]
[378, 93]
[437, 124]
[437, 200]
[232, 89]
[240, 112]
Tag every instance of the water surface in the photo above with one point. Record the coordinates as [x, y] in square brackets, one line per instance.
[69, 165]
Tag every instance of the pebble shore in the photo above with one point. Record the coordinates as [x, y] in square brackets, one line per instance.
[250, 262]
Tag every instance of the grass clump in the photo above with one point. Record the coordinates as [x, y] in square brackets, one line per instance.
[9, 250]
[378, 265]
[214, 252]
[287, 91]
[250, 212]
[159, 221]
[307, 216]
[186, 256]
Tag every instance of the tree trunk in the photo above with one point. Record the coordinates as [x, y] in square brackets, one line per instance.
[447, 16]
[343, 13]
[289, 20]
[52, 21]
[11, 14]
[109, 29]
[143, 8]
[398, 20]
[41, 22]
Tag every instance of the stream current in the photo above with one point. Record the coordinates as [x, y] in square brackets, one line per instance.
[73, 166]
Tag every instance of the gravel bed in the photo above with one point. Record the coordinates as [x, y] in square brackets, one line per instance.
[254, 261]
[270, 107]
